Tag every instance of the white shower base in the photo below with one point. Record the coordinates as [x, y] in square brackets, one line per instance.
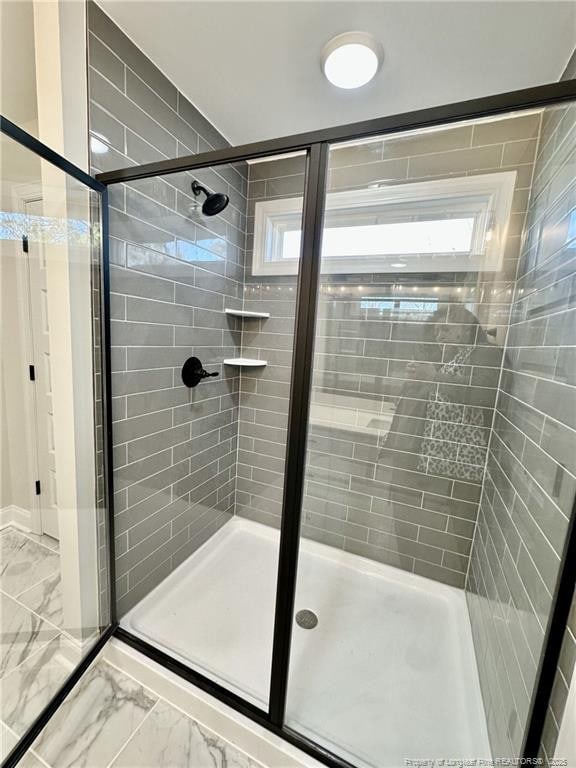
[387, 675]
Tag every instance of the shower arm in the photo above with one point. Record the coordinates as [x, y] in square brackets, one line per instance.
[197, 188]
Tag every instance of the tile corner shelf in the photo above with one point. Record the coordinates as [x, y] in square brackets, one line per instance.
[245, 362]
[248, 315]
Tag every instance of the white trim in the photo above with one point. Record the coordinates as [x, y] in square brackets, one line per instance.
[486, 197]
[16, 516]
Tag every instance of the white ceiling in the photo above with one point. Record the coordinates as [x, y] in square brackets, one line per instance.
[253, 67]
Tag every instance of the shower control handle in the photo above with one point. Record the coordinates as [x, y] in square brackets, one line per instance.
[193, 372]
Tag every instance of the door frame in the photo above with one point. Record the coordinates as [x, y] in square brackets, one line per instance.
[24, 194]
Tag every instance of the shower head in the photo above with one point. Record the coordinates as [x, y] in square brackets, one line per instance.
[215, 201]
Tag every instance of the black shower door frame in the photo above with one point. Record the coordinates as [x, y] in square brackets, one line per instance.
[316, 145]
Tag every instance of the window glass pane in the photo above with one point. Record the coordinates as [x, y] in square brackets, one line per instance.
[460, 221]
[448, 236]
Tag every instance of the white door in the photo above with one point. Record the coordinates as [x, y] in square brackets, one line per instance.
[44, 421]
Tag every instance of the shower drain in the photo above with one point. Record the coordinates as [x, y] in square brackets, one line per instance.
[306, 619]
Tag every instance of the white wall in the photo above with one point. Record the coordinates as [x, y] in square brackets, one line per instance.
[48, 97]
[18, 63]
[5, 481]
[61, 84]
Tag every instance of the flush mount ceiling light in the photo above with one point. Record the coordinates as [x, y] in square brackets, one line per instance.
[352, 59]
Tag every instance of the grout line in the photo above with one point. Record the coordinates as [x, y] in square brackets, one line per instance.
[179, 95]
[542, 347]
[146, 716]
[60, 630]
[494, 458]
[540, 318]
[181, 685]
[495, 619]
[41, 648]
[167, 523]
[38, 583]
[530, 405]
[170, 426]
[140, 724]
[30, 750]
[548, 455]
[34, 541]
[39, 758]
[173, 210]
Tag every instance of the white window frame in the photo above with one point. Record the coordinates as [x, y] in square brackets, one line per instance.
[486, 197]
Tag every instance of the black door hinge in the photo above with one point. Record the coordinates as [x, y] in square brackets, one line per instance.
[32, 372]
[37, 484]
[25, 243]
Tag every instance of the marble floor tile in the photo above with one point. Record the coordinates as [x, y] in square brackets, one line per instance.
[95, 721]
[21, 634]
[23, 562]
[30, 761]
[169, 739]
[7, 740]
[45, 540]
[45, 599]
[28, 689]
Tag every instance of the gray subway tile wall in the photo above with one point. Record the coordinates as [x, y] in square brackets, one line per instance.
[530, 482]
[173, 273]
[367, 489]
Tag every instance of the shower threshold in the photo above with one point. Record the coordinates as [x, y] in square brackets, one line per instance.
[387, 674]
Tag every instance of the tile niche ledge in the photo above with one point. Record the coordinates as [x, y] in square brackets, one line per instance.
[245, 362]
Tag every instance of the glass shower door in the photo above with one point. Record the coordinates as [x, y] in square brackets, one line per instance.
[424, 571]
[54, 585]
[199, 463]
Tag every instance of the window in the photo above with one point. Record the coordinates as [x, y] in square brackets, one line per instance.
[450, 225]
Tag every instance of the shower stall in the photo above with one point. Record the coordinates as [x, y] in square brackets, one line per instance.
[354, 528]
[341, 418]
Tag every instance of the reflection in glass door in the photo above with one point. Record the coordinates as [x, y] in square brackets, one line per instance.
[36, 290]
[54, 586]
[426, 570]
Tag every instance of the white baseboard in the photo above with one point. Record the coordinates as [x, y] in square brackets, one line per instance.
[17, 516]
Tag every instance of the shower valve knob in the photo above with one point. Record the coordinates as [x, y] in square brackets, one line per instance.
[193, 372]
